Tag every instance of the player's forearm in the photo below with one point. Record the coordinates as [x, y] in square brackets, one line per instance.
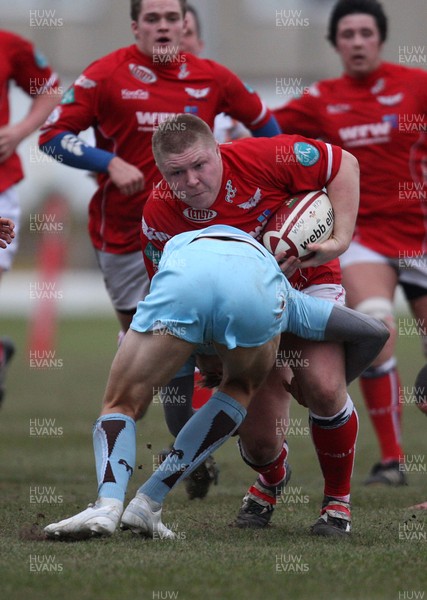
[69, 149]
[40, 109]
[343, 193]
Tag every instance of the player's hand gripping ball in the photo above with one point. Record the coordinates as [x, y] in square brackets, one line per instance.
[421, 390]
[304, 219]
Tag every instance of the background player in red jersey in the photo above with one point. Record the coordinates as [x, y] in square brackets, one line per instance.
[124, 96]
[225, 128]
[377, 111]
[242, 184]
[22, 63]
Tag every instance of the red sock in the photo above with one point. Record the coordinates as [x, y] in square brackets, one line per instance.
[273, 473]
[335, 441]
[382, 395]
[200, 394]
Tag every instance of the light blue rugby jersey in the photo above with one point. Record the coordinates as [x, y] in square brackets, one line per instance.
[303, 315]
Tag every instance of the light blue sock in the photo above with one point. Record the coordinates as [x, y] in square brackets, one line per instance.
[207, 429]
[114, 445]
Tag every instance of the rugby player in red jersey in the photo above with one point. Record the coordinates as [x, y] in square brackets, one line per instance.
[241, 184]
[124, 96]
[27, 67]
[377, 111]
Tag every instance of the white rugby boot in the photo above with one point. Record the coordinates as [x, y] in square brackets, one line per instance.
[143, 516]
[99, 519]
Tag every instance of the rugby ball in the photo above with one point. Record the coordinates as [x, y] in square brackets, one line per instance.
[303, 219]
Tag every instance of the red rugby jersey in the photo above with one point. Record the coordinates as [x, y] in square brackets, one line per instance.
[259, 175]
[22, 63]
[382, 120]
[124, 96]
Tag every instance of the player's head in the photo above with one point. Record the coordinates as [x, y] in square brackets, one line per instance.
[350, 7]
[188, 157]
[158, 26]
[358, 29]
[136, 7]
[192, 39]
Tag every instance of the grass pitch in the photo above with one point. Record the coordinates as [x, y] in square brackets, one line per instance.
[47, 473]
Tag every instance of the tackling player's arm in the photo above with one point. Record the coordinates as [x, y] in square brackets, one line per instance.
[321, 320]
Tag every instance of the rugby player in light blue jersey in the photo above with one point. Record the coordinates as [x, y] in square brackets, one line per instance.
[216, 286]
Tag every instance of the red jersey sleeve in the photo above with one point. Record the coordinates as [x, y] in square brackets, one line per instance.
[239, 100]
[77, 110]
[300, 115]
[30, 69]
[155, 222]
[295, 163]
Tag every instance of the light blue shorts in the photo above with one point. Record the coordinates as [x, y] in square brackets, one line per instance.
[229, 292]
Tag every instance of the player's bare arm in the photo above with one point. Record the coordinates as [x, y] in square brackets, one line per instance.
[12, 135]
[343, 192]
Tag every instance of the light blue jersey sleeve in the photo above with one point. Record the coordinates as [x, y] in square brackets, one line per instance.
[305, 316]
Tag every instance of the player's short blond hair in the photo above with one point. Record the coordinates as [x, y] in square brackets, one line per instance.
[177, 134]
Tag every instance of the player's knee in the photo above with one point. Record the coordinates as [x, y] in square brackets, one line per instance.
[382, 309]
[260, 451]
[379, 308]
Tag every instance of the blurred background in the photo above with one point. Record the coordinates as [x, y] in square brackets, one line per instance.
[276, 46]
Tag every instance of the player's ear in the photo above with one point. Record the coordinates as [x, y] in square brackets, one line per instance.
[134, 28]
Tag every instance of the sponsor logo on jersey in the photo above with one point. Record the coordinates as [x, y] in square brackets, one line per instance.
[199, 215]
[134, 94]
[193, 110]
[73, 144]
[253, 200]
[262, 219]
[152, 234]
[378, 86]
[41, 60]
[183, 71]
[362, 135]
[143, 74]
[68, 97]
[85, 82]
[198, 93]
[313, 90]
[149, 121]
[231, 191]
[53, 117]
[306, 154]
[391, 100]
[337, 109]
